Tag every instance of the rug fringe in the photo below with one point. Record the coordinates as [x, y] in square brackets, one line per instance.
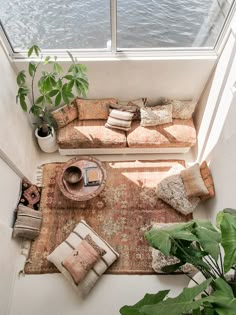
[39, 176]
[25, 250]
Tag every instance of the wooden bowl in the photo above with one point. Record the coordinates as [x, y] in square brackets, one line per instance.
[72, 174]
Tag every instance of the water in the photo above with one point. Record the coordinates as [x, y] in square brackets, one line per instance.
[66, 24]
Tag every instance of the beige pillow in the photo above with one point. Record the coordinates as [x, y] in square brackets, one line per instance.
[28, 223]
[140, 102]
[66, 114]
[94, 109]
[182, 109]
[119, 120]
[171, 190]
[131, 106]
[157, 115]
[73, 240]
[193, 182]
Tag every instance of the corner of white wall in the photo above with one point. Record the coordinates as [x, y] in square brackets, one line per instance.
[17, 141]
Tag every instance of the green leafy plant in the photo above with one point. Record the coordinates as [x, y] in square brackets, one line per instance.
[200, 244]
[53, 86]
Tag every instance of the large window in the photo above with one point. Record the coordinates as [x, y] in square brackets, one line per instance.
[135, 24]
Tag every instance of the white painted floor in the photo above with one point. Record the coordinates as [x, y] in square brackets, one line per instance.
[51, 294]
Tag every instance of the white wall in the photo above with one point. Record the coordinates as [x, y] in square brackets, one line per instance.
[217, 129]
[129, 79]
[10, 184]
[16, 136]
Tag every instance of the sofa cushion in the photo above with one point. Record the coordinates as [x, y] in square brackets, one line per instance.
[94, 109]
[90, 134]
[179, 133]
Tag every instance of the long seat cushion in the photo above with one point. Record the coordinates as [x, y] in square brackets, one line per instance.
[90, 134]
[179, 133]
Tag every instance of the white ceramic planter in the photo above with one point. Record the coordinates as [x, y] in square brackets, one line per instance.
[47, 144]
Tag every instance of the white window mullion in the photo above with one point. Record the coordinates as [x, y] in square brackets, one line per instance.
[5, 39]
[113, 26]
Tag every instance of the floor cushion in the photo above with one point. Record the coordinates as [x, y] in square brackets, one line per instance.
[179, 133]
[171, 190]
[90, 134]
[159, 260]
[28, 223]
[73, 240]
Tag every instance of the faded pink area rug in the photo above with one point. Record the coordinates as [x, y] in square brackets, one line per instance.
[124, 210]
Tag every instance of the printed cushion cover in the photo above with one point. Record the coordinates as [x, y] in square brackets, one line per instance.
[119, 120]
[157, 115]
[28, 223]
[83, 258]
[30, 194]
[94, 109]
[64, 115]
[171, 190]
[182, 109]
[73, 240]
[193, 182]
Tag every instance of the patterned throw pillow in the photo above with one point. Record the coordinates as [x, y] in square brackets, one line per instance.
[171, 190]
[30, 194]
[83, 258]
[208, 181]
[182, 109]
[66, 114]
[66, 248]
[193, 182]
[119, 119]
[94, 109]
[133, 106]
[28, 223]
[157, 115]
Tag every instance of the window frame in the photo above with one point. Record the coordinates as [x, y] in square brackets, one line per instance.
[128, 53]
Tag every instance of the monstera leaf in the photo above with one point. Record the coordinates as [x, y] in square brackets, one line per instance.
[228, 232]
[209, 238]
[162, 238]
[156, 305]
[222, 299]
[149, 299]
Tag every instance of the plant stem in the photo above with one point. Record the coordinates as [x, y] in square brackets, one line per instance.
[32, 83]
[205, 272]
[195, 282]
[221, 263]
[214, 267]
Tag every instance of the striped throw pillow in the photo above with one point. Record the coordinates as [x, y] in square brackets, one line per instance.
[28, 223]
[119, 119]
[61, 252]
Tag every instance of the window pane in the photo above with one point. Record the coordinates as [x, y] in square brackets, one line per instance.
[168, 23]
[56, 24]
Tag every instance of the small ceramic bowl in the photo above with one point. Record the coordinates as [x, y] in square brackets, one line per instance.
[72, 175]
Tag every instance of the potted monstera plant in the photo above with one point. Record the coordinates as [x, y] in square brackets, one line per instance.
[47, 86]
[212, 250]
